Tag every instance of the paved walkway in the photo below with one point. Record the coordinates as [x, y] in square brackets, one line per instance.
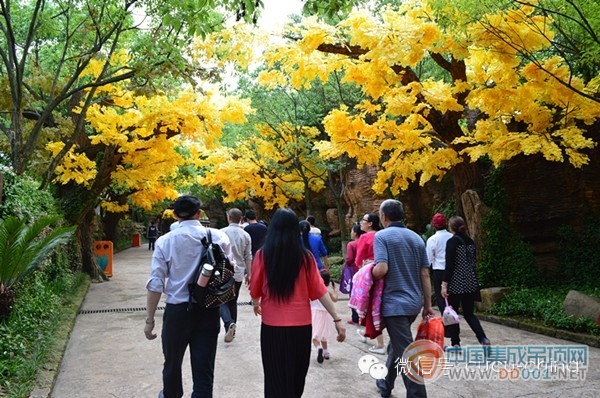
[108, 355]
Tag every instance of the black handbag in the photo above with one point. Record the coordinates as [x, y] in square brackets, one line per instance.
[220, 288]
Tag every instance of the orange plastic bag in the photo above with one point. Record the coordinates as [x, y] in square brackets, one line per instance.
[431, 328]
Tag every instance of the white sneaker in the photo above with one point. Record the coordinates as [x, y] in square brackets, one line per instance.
[362, 338]
[377, 350]
[230, 335]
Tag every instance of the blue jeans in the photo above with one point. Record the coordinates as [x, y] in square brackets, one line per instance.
[229, 310]
[398, 328]
[197, 328]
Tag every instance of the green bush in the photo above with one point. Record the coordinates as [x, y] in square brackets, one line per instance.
[334, 245]
[505, 259]
[544, 304]
[23, 199]
[336, 264]
[24, 337]
[579, 263]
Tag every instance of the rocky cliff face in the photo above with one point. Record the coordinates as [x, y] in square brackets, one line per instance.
[545, 196]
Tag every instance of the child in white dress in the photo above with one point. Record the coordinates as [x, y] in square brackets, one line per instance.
[323, 327]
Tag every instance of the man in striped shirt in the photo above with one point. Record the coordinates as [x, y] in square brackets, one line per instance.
[401, 260]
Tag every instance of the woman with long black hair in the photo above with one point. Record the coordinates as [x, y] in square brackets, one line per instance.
[285, 278]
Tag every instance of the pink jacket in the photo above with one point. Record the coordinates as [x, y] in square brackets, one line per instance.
[363, 287]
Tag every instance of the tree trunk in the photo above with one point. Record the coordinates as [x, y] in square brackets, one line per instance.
[110, 223]
[474, 210]
[110, 220]
[467, 176]
[84, 235]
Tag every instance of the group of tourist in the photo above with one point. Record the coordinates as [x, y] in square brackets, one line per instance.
[286, 269]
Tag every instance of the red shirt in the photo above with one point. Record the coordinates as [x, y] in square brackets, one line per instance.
[295, 311]
[364, 248]
[351, 254]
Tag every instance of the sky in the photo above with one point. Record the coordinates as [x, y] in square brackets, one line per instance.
[275, 13]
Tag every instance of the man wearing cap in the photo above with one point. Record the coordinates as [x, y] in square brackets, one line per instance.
[174, 262]
[436, 254]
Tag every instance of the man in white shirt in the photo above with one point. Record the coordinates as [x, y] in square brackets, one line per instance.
[174, 262]
[436, 254]
[313, 229]
[241, 250]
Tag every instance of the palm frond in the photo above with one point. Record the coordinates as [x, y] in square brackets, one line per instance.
[22, 246]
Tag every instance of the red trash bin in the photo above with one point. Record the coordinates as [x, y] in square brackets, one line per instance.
[136, 240]
[103, 250]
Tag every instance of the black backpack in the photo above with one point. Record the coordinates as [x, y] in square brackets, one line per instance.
[220, 288]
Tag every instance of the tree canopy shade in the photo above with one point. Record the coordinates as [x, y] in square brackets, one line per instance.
[485, 101]
[124, 62]
[46, 46]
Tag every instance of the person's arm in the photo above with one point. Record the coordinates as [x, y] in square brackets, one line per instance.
[256, 283]
[380, 270]
[333, 293]
[429, 247]
[324, 254]
[248, 259]
[330, 307]
[325, 262]
[450, 263]
[360, 252]
[350, 255]
[426, 287]
[152, 300]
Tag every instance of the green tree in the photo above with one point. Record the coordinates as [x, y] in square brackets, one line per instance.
[58, 58]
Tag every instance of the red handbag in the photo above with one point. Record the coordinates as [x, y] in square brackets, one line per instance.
[431, 328]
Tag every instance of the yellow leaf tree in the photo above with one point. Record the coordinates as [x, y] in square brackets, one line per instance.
[480, 98]
[131, 155]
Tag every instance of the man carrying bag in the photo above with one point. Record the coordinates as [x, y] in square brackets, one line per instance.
[174, 262]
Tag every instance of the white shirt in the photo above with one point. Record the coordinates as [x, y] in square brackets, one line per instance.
[315, 230]
[176, 256]
[241, 249]
[436, 249]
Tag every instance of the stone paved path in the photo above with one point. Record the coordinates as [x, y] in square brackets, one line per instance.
[108, 355]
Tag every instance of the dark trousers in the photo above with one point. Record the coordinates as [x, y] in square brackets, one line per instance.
[285, 354]
[467, 303]
[229, 309]
[197, 328]
[151, 243]
[438, 277]
[398, 328]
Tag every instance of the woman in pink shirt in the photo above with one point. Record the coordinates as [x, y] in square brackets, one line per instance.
[285, 278]
[364, 255]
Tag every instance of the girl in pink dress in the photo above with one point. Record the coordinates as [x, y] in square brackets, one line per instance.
[323, 327]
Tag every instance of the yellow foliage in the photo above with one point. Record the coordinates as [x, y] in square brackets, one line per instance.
[146, 132]
[413, 127]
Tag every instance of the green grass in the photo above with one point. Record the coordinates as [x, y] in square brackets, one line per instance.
[543, 305]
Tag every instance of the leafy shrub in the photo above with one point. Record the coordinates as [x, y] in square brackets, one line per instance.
[544, 304]
[335, 271]
[505, 259]
[41, 298]
[579, 263]
[23, 199]
[333, 244]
